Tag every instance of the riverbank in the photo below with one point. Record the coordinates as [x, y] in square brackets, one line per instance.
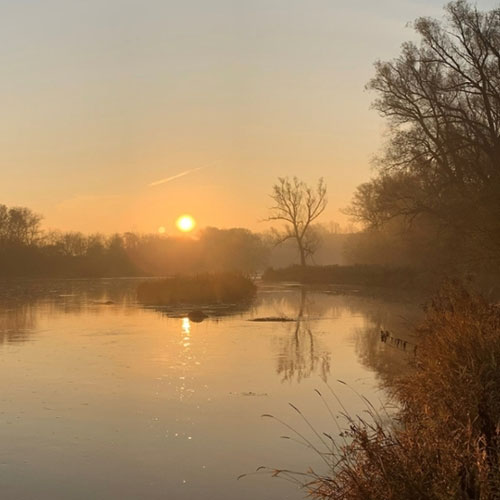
[445, 440]
[356, 275]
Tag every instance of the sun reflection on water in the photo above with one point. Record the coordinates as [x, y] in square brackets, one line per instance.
[186, 330]
[186, 325]
[186, 354]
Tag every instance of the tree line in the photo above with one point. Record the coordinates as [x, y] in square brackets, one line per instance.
[28, 251]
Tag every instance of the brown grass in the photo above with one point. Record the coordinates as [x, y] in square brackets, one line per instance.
[209, 288]
[444, 442]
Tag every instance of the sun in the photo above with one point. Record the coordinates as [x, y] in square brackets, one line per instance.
[185, 223]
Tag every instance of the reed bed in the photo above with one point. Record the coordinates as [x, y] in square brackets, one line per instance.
[444, 441]
[208, 288]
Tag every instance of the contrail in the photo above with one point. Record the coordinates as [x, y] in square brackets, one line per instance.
[176, 176]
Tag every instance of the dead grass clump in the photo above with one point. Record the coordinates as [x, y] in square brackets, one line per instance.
[445, 440]
[208, 288]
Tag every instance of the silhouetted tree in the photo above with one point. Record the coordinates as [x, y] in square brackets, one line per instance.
[73, 243]
[441, 168]
[27, 251]
[298, 205]
[18, 226]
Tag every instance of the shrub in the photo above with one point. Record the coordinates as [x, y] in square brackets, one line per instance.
[444, 442]
[206, 288]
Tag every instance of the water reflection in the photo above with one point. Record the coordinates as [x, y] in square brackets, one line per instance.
[17, 321]
[172, 404]
[301, 354]
[388, 359]
[186, 358]
[23, 302]
[186, 327]
[215, 312]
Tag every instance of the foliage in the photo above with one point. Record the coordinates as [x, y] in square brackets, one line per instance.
[208, 288]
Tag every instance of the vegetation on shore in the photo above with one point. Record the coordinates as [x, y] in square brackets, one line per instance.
[27, 251]
[435, 199]
[445, 440]
[208, 288]
[357, 275]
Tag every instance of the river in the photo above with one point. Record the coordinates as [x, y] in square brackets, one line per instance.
[101, 398]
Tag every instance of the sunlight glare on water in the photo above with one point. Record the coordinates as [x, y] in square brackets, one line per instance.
[102, 398]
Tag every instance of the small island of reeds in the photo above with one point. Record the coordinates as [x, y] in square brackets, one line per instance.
[207, 288]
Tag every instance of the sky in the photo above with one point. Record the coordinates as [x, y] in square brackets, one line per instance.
[120, 115]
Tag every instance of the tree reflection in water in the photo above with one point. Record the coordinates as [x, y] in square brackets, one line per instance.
[386, 359]
[17, 321]
[21, 301]
[300, 354]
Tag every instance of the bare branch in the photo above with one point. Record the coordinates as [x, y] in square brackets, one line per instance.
[298, 205]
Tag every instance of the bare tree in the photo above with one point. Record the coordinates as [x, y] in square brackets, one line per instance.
[19, 226]
[441, 166]
[298, 205]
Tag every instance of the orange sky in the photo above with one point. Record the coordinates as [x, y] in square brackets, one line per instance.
[102, 99]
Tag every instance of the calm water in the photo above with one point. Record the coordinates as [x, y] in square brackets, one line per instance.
[106, 400]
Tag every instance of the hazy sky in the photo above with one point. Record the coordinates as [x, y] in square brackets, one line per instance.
[101, 99]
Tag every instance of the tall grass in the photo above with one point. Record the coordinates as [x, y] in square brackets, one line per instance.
[444, 442]
[208, 288]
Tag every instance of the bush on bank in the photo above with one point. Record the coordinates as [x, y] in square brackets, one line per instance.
[445, 441]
